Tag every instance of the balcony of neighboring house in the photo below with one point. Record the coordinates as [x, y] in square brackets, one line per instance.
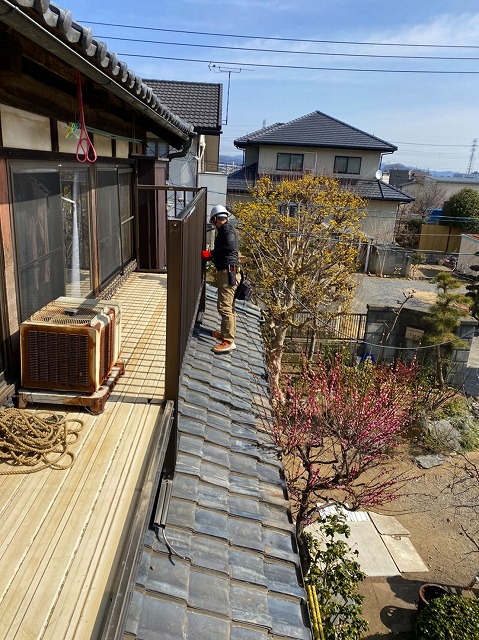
[70, 532]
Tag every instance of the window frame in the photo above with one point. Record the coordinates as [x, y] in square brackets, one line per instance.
[349, 160]
[290, 161]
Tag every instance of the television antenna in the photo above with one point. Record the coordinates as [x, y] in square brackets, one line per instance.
[219, 69]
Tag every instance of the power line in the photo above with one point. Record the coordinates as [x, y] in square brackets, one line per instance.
[287, 51]
[302, 67]
[253, 37]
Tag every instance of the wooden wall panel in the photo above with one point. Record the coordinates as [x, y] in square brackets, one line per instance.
[9, 260]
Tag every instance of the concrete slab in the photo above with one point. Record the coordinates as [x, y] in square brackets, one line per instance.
[387, 525]
[373, 557]
[404, 554]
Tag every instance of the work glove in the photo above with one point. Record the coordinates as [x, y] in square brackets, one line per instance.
[205, 254]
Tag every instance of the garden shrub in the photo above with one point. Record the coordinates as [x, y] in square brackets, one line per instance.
[449, 617]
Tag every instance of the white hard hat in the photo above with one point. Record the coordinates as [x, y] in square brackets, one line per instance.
[218, 211]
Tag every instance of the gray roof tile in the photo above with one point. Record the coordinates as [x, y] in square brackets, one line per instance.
[197, 102]
[229, 519]
[246, 533]
[250, 605]
[247, 566]
[212, 523]
[162, 614]
[282, 578]
[244, 179]
[163, 579]
[315, 129]
[209, 592]
[201, 626]
[211, 553]
[288, 617]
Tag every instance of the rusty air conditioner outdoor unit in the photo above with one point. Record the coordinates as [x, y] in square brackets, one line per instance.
[71, 344]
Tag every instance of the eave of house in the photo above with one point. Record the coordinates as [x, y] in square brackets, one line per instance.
[242, 180]
[53, 29]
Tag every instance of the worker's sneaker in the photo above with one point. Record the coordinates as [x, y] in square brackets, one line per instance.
[217, 335]
[224, 347]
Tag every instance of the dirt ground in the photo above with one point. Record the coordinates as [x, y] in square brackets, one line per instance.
[427, 510]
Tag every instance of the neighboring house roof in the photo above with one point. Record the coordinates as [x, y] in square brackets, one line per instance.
[53, 29]
[242, 180]
[198, 102]
[315, 129]
[233, 570]
[473, 182]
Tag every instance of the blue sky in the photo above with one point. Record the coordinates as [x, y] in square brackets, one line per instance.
[432, 118]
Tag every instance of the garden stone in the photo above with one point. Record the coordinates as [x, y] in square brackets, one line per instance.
[445, 434]
[427, 462]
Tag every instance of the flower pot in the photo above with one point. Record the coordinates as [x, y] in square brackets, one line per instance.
[428, 592]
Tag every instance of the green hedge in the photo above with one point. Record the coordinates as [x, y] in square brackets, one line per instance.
[449, 617]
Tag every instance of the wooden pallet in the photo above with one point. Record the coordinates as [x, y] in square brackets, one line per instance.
[94, 402]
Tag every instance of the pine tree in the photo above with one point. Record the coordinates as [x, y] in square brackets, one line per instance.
[443, 320]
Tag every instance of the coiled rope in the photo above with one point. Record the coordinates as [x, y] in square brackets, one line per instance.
[31, 442]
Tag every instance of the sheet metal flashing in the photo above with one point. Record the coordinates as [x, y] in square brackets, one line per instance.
[232, 570]
[54, 29]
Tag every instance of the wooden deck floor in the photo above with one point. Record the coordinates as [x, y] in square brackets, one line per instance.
[61, 530]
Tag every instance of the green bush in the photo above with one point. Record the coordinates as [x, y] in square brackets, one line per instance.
[335, 573]
[449, 617]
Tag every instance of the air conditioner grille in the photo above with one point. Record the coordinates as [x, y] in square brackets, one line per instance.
[58, 358]
[63, 314]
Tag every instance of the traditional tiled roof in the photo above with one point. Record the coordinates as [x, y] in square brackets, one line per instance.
[232, 570]
[196, 102]
[57, 28]
[242, 180]
[315, 129]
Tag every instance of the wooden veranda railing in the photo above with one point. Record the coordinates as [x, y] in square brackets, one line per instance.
[182, 213]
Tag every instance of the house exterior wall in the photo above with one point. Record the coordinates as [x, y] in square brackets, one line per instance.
[215, 184]
[379, 223]
[451, 186]
[320, 161]
[23, 129]
[211, 156]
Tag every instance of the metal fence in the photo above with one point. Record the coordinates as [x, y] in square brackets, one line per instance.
[348, 327]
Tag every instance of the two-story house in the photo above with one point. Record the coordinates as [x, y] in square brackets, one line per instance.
[322, 145]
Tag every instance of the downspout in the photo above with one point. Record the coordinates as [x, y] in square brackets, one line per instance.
[185, 147]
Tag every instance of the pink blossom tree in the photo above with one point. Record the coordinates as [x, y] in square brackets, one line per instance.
[339, 428]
